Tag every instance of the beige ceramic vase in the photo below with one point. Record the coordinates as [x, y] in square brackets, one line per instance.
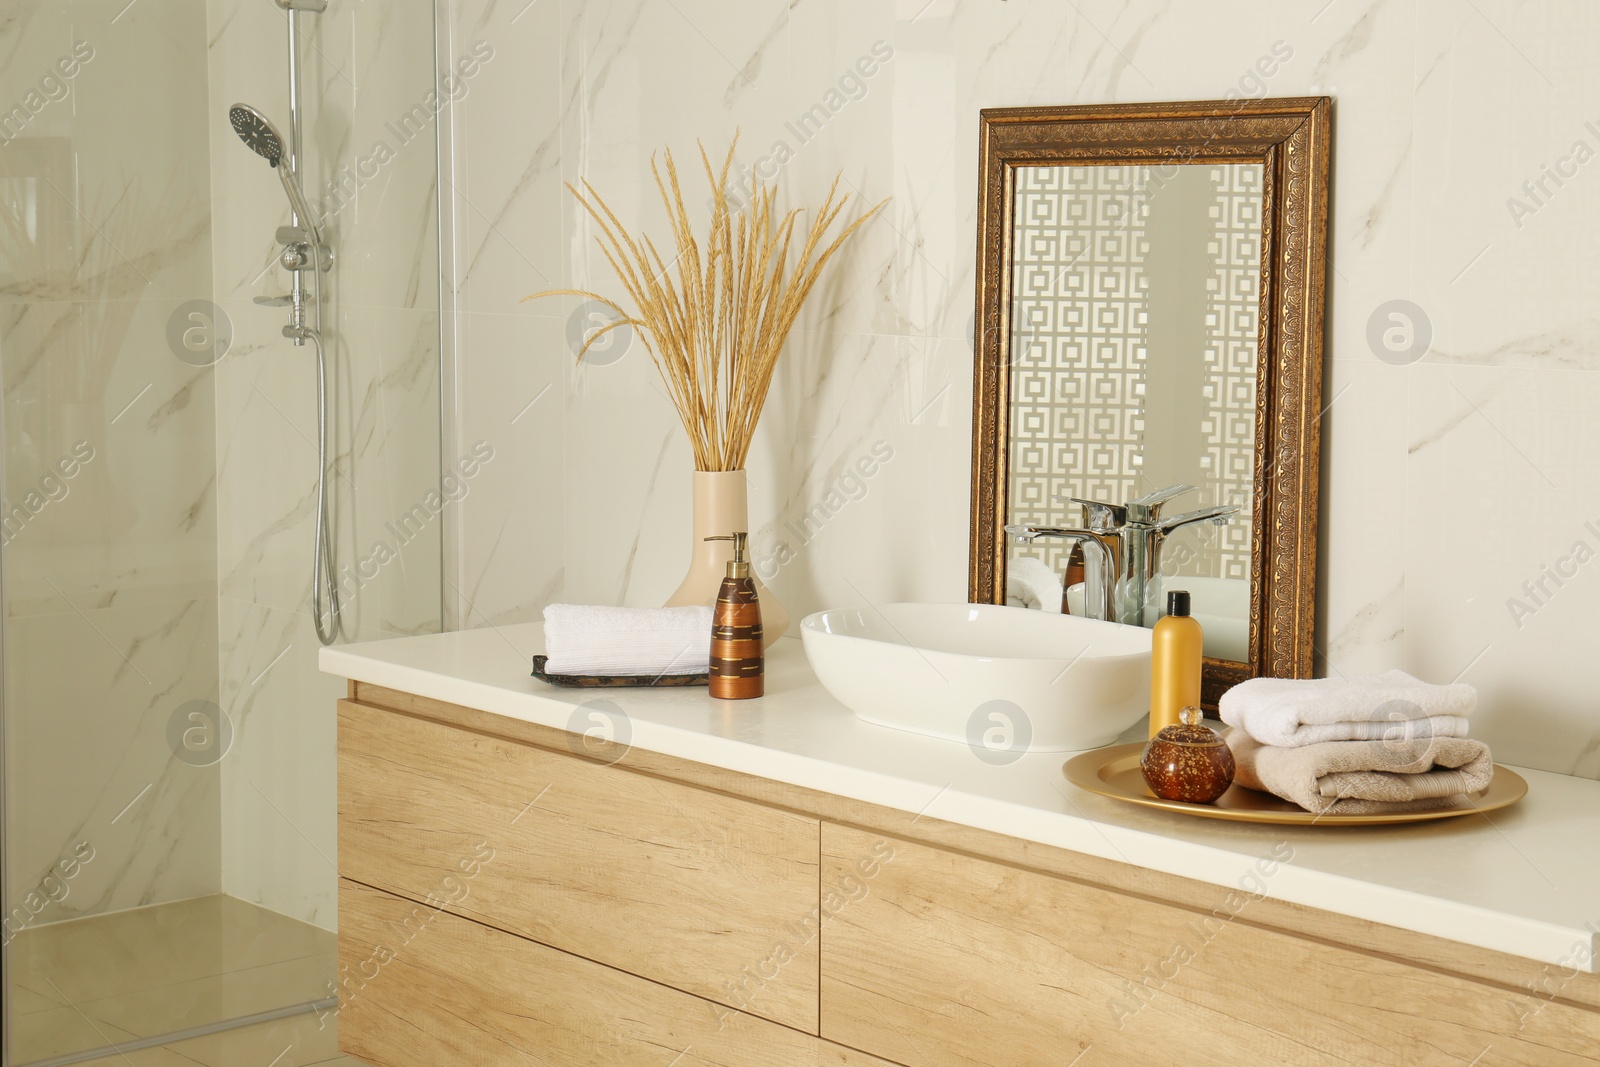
[722, 507]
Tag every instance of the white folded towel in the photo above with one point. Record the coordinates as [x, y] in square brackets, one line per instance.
[588, 639]
[1393, 706]
[1030, 583]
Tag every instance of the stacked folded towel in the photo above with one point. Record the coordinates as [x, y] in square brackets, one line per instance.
[1364, 777]
[1369, 745]
[584, 639]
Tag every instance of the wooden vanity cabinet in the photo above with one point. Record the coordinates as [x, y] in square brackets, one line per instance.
[948, 958]
[462, 992]
[504, 900]
[661, 880]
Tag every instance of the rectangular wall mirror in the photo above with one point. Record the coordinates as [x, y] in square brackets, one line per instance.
[1148, 381]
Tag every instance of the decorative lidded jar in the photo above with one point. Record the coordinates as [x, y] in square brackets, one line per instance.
[1188, 762]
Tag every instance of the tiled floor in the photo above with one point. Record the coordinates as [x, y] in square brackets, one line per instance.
[292, 1042]
[151, 971]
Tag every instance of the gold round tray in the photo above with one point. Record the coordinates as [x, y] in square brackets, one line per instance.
[1114, 772]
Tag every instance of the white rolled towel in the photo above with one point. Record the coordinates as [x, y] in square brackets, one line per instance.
[590, 639]
[1030, 583]
[1393, 706]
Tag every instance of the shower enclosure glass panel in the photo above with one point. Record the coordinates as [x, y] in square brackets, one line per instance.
[169, 745]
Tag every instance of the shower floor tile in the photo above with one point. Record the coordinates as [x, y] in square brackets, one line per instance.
[88, 982]
[182, 1005]
[293, 1042]
[58, 1031]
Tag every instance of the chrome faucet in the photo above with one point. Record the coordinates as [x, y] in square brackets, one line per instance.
[1135, 532]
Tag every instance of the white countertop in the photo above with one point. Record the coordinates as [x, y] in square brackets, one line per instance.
[1524, 880]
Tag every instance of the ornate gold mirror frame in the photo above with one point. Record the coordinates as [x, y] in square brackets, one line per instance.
[1290, 139]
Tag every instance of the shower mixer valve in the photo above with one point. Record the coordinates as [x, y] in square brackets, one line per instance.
[298, 251]
[301, 252]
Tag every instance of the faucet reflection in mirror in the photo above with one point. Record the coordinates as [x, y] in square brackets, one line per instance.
[1123, 545]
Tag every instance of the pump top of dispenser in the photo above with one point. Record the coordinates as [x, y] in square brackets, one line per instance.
[738, 566]
[1178, 602]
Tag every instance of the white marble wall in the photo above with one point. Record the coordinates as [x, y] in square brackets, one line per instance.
[110, 588]
[1448, 484]
[368, 62]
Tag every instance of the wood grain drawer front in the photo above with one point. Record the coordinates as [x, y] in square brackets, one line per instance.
[935, 958]
[424, 988]
[702, 892]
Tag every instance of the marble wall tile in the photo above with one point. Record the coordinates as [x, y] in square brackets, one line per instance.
[512, 392]
[384, 408]
[278, 802]
[634, 515]
[93, 699]
[370, 161]
[511, 214]
[376, 125]
[397, 513]
[267, 467]
[110, 563]
[1361, 622]
[651, 76]
[849, 475]
[1443, 112]
[96, 385]
[1500, 571]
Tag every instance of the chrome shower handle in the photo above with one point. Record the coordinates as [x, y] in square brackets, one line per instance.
[297, 200]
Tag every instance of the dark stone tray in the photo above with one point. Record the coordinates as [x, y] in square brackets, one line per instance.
[613, 681]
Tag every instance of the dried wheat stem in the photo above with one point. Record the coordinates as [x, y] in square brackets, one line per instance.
[714, 318]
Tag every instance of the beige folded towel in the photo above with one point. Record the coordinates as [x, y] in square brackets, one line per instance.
[1364, 777]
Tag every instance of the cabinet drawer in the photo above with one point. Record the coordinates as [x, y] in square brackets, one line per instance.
[702, 892]
[937, 958]
[421, 988]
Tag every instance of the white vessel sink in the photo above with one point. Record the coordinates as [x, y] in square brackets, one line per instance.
[1002, 679]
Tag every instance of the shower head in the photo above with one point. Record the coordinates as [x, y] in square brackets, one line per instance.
[263, 138]
[259, 135]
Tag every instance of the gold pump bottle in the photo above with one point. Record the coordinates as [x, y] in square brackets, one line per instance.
[1175, 651]
[737, 661]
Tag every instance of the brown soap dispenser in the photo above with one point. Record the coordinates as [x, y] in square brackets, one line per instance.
[736, 658]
